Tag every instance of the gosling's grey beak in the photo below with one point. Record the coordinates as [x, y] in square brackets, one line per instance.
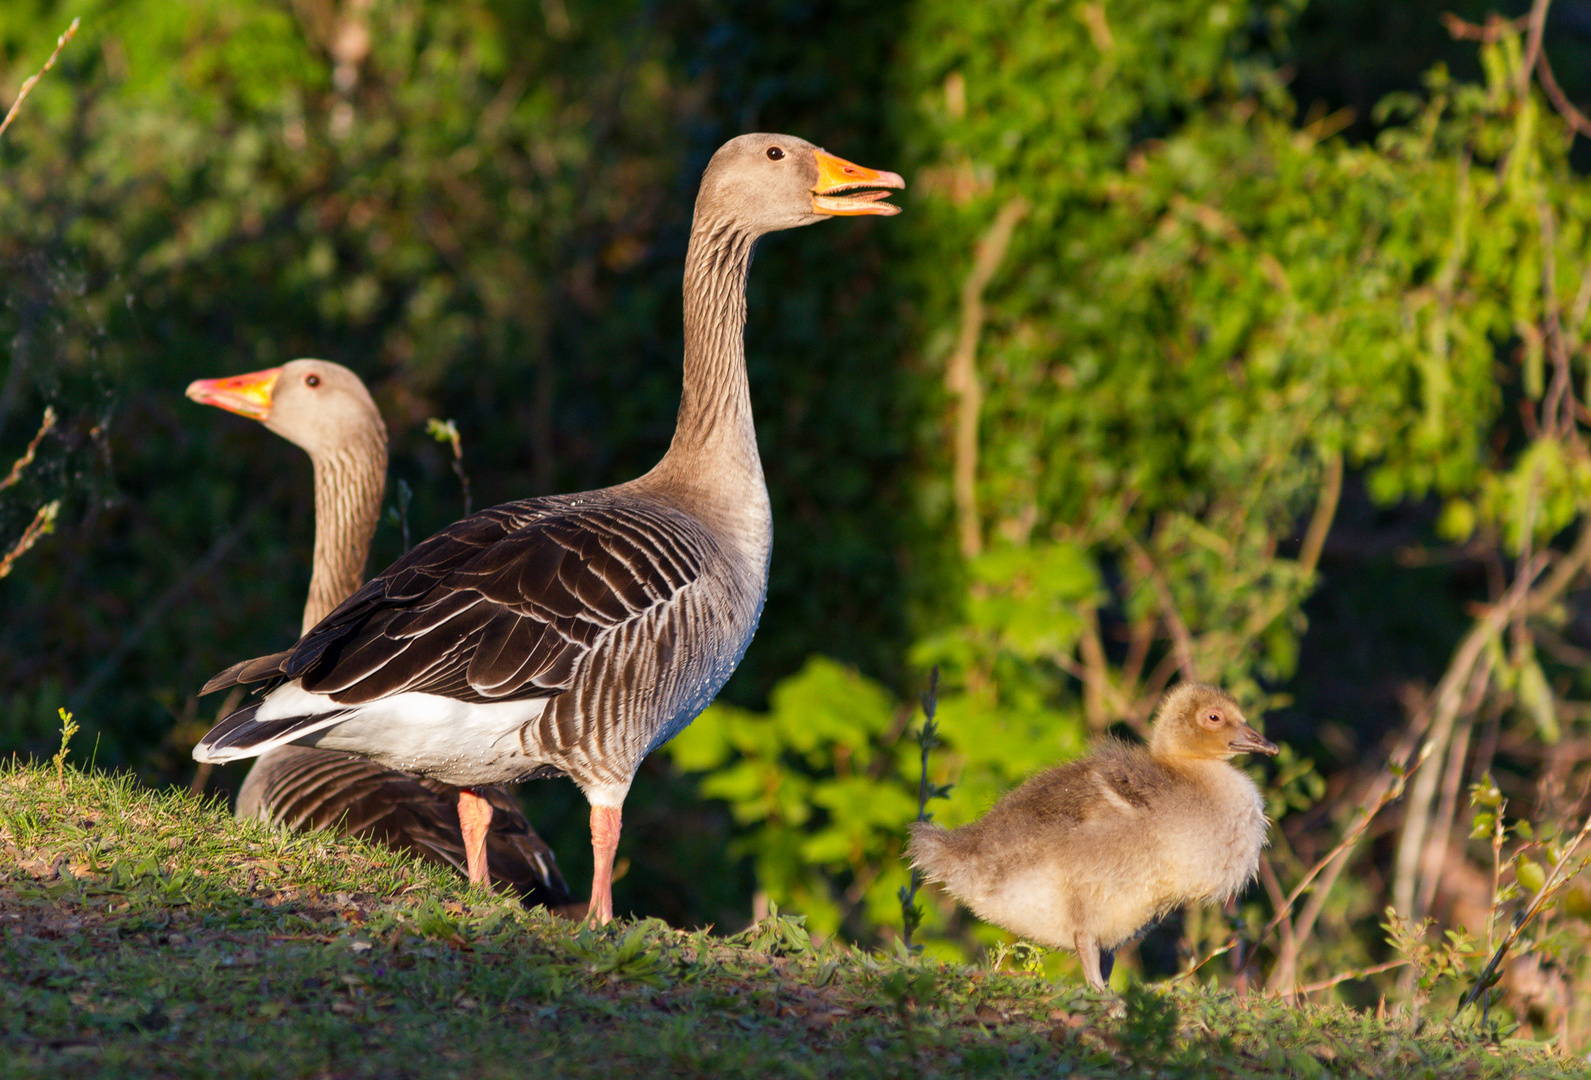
[1249, 741]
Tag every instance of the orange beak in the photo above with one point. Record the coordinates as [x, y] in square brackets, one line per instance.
[247, 395]
[836, 175]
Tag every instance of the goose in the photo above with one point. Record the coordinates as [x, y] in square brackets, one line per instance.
[1086, 854]
[573, 634]
[325, 409]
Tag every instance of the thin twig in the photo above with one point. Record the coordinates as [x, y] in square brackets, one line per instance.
[1491, 32]
[1560, 101]
[1377, 795]
[41, 525]
[1181, 639]
[1537, 25]
[1558, 408]
[1392, 793]
[446, 431]
[1393, 790]
[27, 455]
[1434, 858]
[1375, 969]
[1309, 551]
[1287, 953]
[60, 43]
[1444, 704]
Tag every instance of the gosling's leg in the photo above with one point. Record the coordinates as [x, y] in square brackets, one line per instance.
[1089, 953]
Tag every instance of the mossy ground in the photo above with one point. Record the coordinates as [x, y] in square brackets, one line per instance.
[146, 933]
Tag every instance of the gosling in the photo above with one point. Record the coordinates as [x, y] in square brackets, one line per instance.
[1086, 854]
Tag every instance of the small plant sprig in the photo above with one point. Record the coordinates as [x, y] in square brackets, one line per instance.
[68, 729]
[927, 739]
[445, 431]
[1432, 963]
[1019, 955]
[1530, 877]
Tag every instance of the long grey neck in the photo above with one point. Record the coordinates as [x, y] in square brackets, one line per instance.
[349, 484]
[713, 456]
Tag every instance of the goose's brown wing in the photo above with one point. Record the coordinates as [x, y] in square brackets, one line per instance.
[500, 606]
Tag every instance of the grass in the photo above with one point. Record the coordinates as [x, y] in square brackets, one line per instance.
[146, 933]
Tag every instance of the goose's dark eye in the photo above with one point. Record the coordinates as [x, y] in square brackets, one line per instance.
[774, 153]
[312, 381]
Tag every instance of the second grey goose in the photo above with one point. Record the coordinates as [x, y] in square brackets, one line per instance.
[573, 634]
[326, 410]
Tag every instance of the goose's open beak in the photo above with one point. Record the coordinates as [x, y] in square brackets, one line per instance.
[836, 175]
[247, 395]
[1249, 741]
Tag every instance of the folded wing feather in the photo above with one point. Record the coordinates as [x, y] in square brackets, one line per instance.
[499, 607]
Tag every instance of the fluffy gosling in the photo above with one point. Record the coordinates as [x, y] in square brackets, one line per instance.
[1086, 854]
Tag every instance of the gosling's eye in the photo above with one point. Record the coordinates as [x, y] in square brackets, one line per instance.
[312, 381]
[774, 153]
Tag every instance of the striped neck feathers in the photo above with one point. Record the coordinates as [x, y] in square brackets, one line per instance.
[349, 484]
[714, 435]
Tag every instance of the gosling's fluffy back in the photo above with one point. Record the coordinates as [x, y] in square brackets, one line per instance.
[1095, 849]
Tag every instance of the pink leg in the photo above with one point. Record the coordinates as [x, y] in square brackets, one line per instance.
[1088, 952]
[475, 818]
[604, 845]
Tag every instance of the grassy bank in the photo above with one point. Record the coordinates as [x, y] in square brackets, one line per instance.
[146, 933]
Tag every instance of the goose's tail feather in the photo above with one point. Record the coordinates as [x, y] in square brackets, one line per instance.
[241, 735]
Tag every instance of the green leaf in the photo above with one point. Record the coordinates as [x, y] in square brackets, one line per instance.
[1530, 874]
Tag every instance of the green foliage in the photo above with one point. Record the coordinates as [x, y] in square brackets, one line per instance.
[807, 776]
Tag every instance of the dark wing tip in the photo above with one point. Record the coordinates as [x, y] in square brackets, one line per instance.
[240, 735]
[247, 671]
[228, 735]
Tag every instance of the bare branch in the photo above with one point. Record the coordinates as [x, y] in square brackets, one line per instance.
[1181, 639]
[1393, 779]
[1560, 101]
[43, 522]
[60, 43]
[27, 455]
[1374, 969]
[961, 375]
[1537, 24]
